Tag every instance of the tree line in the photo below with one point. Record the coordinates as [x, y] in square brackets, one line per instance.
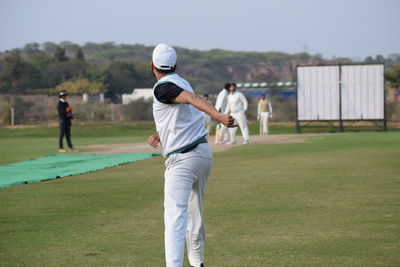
[114, 69]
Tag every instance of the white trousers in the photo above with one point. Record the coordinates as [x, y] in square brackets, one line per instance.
[186, 177]
[223, 134]
[264, 116]
[240, 119]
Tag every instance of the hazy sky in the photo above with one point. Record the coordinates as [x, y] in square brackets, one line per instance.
[350, 28]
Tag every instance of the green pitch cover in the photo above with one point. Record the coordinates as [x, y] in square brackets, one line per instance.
[58, 166]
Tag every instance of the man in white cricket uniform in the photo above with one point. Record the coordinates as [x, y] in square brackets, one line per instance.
[208, 121]
[220, 105]
[264, 112]
[237, 107]
[181, 134]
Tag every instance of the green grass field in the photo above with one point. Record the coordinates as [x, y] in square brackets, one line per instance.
[331, 201]
[19, 144]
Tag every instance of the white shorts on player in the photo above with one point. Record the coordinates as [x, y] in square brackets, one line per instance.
[240, 118]
[223, 135]
[186, 177]
[264, 116]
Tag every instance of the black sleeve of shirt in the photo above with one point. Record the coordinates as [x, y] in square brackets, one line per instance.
[167, 92]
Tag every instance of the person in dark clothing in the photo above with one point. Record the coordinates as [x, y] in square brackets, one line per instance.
[65, 116]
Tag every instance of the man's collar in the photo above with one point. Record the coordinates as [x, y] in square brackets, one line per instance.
[62, 100]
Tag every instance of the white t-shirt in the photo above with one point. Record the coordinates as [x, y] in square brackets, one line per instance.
[178, 125]
[222, 100]
[237, 102]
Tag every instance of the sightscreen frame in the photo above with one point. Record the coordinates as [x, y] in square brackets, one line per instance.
[340, 93]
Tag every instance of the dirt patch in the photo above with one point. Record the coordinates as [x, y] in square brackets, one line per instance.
[145, 148]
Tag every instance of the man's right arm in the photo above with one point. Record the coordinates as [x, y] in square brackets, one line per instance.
[154, 140]
[200, 103]
[170, 93]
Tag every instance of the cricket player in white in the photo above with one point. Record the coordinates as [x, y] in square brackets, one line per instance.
[220, 105]
[264, 112]
[208, 121]
[237, 107]
[181, 134]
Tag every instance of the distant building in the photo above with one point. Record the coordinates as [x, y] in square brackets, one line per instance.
[145, 93]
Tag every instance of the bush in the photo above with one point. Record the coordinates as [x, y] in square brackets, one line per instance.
[393, 111]
[283, 110]
[92, 112]
[21, 109]
[139, 110]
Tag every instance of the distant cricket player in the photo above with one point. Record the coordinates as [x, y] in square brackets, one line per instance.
[237, 107]
[208, 121]
[264, 112]
[221, 134]
[65, 117]
[182, 136]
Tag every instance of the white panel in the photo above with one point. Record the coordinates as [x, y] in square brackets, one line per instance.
[362, 92]
[318, 93]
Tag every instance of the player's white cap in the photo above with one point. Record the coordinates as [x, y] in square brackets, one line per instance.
[164, 57]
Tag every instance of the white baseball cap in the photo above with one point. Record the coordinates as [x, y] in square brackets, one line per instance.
[164, 57]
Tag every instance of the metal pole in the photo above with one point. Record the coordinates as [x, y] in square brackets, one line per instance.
[298, 130]
[340, 98]
[12, 116]
[384, 104]
[112, 111]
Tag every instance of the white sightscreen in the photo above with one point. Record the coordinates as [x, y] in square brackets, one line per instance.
[362, 92]
[318, 93]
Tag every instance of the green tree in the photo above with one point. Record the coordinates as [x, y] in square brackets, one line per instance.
[79, 55]
[59, 54]
[40, 60]
[59, 72]
[379, 59]
[81, 86]
[49, 47]
[395, 58]
[393, 76]
[124, 77]
[18, 76]
[101, 75]
[104, 76]
[145, 77]
[369, 60]
[31, 49]
[344, 60]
